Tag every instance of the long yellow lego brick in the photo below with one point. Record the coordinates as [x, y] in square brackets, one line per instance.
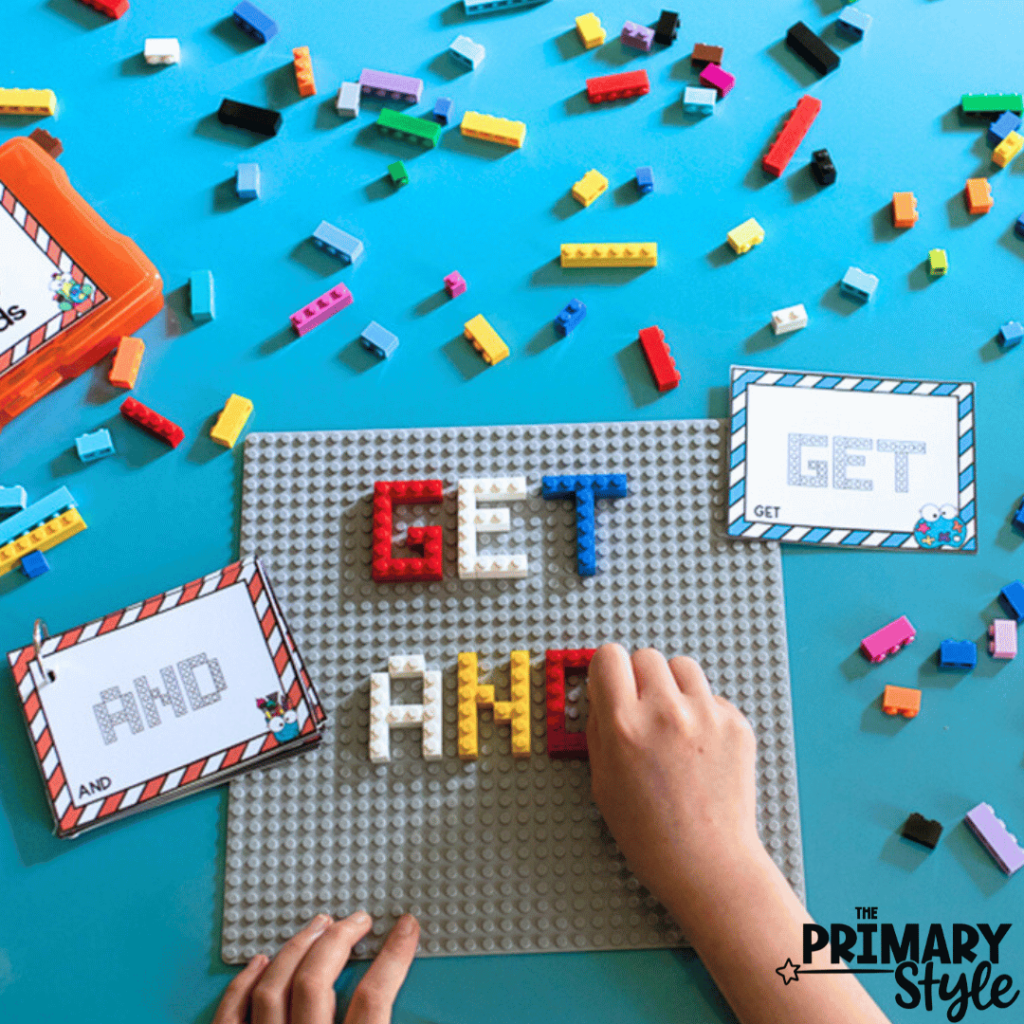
[231, 421]
[520, 703]
[493, 129]
[610, 254]
[28, 101]
[485, 339]
[467, 689]
[51, 533]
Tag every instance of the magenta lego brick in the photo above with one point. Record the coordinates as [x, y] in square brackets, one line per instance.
[385, 83]
[718, 78]
[888, 640]
[994, 836]
[321, 309]
[1002, 639]
[454, 284]
[640, 37]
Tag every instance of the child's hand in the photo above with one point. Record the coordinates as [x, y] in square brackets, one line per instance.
[297, 986]
[672, 767]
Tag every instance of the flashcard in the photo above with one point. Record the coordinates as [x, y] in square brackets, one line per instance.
[165, 697]
[850, 461]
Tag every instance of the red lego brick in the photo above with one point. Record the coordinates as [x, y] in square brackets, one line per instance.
[133, 410]
[563, 744]
[659, 358]
[47, 142]
[385, 567]
[792, 134]
[617, 87]
[111, 8]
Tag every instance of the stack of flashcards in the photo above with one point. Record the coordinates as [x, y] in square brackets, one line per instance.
[164, 698]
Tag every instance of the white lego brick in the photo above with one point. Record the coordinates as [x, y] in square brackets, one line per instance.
[792, 318]
[161, 51]
[347, 103]
[404, 666]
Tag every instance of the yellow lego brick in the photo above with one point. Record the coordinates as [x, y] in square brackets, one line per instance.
[588, 28]
[938, 262]
[231, 421]
[48, 535]
[610, 254]
[520, 678]
[485, 340]
[493, 129]
[28, 101]
[589, 187]
[745, 236]
[467, 697]
[1007, 149]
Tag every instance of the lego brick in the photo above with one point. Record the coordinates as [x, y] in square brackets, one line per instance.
[466, 53]
[584, 489]
[36, 102]
[922, 830]
[46, 535]
[589, 187]
[588, 28]
[385, 716]
[958, 654]
[993, 834]
[390, 86]
[202, 304]
[796, 127]
[645, 180]
[247, 181]
[1005, 123]
[812, 48]
[570, 318]
[640, 37]
[1018, 516]
[856, 284]
[699, 101]
[253, 22]
[378, 340]
[231, 421]
[439, 814]
[444, 110]
[718, 78]
[904, 210]
[111, 8]
[303, 66]
[978, 195]
[822, 167]
[473, 520]
[890, 639]
[1010, 334]
[258, 120]
[493, 129]
[321, 309]
[386, 568]
[454, 285]
[485, 340]
[745, 236]
[347, 102]
[398, 174]
[338, 243]
[1007, 149]
[34, 515]
[12, 501]
[703, 55]
[408, 128]
[667, 28]
[473, 7]
[1018, 227]
[991, 104]
[789, 319]
[853, 23]
[47, 142]
[901, 700]
[152, 421]
[1002, 639]
[659, 358]
[125, 369]
[34, 564]
[609, 254]
[605, 88]
[938, 262]
[94, 446]
[161, 51]
[1012, 596]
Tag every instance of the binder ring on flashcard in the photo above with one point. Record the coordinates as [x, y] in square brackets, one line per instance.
[39, 634]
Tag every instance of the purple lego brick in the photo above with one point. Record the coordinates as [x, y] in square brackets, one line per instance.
[321, 309]
[1002, 641]
[993, 835]
[640, 37]
[718, 78]
[395, 87]
[454, 284]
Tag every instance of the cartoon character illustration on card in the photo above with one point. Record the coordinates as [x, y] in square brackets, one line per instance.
[68, 293]
[940, 527]
[281, 718]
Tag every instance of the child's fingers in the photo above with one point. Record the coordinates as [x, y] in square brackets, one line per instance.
[611, 685]
[690, 678]
[375, 995]
[270, 997]
[234, 1004]
[312, 992]
[653, 677]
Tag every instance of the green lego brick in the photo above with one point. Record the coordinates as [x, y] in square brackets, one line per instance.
[399, 175]
[413, 129]
[991, 102]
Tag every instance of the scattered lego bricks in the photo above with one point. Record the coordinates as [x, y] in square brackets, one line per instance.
[667, 28]
[901, 700]
[303, 65]
[745, 236]
[589, 187]
[858, 285]
[789, 319]
[28, 102]
[111, 8]
[1007, 149]
[609, 254]
[12, 501]
[640, 37]
[904, 210]
[444, 110]
[159, 426]
[588, 28]
[253, 22]
[992, 833]
[247, 181]
[938, 262]
[231, 421]
[454, 285]
[812, 48]
[991, 104]
[978, 194]
[398, 174]
[1002, 639]
[796, 127]
[94, 446]
[378, 340]
[822, 167]
[34, 564]
[161, 51]
[466, 53]
[1005, 123]
[321, 309]
[1010, 334]
[47, 142]
[645, 180]
[258, 120]
[718, 78]
[347, 102]
[46, 535]
[125, 370]
[202, 307]
[338, 243]
[485, 340]
[703, 55]
[390, 86]
[493, 129]
[570, 318]
[922, 830]
[616, 87]
[958, 654]
[890, 639]
[54, 504]
[408, 128]
[699, 101]
[659, 358]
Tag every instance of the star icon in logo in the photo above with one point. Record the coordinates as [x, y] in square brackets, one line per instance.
[784, 971]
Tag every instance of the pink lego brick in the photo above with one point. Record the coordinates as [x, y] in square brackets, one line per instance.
[719, 79]
[993, 834]
[321, 309]
[397, 87]
[454, 285]
[1003, 639]
[888, 640]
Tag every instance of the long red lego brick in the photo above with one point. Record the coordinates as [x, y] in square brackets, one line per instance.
[659, 358]
[617, 87]
[792, 134]
[134, 410]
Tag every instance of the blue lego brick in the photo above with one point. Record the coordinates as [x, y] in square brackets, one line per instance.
[96, 445]
[338, 243]
[1018, 517]
[961, 654]
[378, 340]
[853, 23]
[34, 564]
[12, 501]
[1011, 334]
[1008, 121]
[858, 285]
[466, 53]
[472, 7]
[247, 181]
[253, 22]
[444, 110]
[1019, 226]
[645, 180]
[585, 488]
[201, 303]
[1012, 596]
[570, 318]
[699, 101]
[38, 512]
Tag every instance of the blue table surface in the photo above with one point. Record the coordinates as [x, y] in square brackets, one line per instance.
[125, 921]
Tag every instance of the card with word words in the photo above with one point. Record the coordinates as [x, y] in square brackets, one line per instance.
[163, 698]
[852, 461]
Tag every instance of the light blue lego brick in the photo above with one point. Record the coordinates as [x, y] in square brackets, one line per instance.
[347, 103]
[12, 501]
[337, 242]
[585, 488]
[856, 284]
[1019, 226]
[247, 181]
[699, 101]
[34, 564]
[200, 290]
[444, 110]
[467, 53]
[488, 6]
[1011, 334]
[1006, 122]
[378, 340]
[96, 445]
[853, 23]
[36, 513]
[251, 20]
[645, 180]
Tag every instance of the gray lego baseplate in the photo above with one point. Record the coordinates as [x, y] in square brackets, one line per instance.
[494, 855]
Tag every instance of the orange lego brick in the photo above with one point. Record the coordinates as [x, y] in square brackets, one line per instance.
[304, 80]
[125, 370]
[904, 210]
[978, 194]
[901, 700]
